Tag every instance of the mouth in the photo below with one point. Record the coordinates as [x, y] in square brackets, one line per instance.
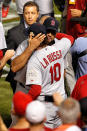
[29, 20]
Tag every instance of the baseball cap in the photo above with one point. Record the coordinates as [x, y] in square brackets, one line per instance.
[35, 112]
[20, 101]
[36, 28]
[51, 23]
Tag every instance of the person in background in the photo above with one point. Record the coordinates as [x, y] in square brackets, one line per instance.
[80, 89]
[5, 8]
[69, 112]
[83, 106]
[75, 9]
[45, 7]
[20, 102]
[79, 56]
[2, 38]
[79, 92]
[36, 116]
[19, 5]
[17, 35]
[8, 55]
[3, 46]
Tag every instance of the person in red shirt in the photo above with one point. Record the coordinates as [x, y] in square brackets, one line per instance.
[79, 92]
[20, 102]
[80, 89]
[75, 9]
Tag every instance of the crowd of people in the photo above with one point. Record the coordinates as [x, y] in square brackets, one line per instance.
[47, 67]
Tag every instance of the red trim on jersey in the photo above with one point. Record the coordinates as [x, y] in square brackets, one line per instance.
[35, 91]
[62, 35]
[1, 54]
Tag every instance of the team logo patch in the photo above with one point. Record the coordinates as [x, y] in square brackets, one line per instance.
[52, 22]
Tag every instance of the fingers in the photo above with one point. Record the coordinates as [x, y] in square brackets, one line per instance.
[41, 38]
[75, 12]
[40, 35]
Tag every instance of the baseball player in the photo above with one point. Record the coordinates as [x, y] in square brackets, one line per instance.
[45, 73]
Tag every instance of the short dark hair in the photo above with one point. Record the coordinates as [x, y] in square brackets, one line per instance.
[31, 3]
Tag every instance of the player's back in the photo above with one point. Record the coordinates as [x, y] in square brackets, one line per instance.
[46, 68]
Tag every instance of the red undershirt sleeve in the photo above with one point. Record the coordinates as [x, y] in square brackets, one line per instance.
[34, 91]
[62, 35]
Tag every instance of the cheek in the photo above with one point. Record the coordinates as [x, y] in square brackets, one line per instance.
[25, 16]
[35, 16]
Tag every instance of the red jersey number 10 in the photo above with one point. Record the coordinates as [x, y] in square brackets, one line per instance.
[55, 72]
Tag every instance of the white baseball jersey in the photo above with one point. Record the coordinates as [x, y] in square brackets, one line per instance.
[2, 37]
[46, 67]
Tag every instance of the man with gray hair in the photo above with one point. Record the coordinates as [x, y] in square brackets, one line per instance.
[69, 112]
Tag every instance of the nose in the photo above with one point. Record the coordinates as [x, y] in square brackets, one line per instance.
[30, 15]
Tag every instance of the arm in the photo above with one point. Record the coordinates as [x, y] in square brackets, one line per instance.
[34, 91]
[7, 56]
[22, 59]
[57, 98]
[62, 35]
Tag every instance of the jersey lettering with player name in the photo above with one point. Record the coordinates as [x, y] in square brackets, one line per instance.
[51, 57]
